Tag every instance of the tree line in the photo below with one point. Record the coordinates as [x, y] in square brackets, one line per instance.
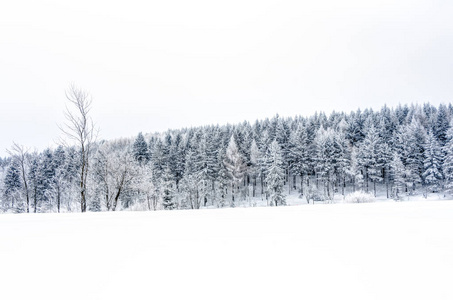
[397, 152]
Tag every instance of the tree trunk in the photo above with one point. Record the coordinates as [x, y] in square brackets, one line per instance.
[254, 186]
[374, 187]
[58, 198]
[115, 202]
[35, 199]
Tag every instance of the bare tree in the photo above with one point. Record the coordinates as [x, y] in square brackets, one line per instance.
[19, 155]
[79, 127]
[115, 171]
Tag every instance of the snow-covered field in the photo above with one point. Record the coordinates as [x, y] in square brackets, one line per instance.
[384, 250]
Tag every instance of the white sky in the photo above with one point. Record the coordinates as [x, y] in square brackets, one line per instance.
[154, 65]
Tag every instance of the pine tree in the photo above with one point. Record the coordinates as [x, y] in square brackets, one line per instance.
[368, 157]
[441, 125]
[189, 184]
[235, 167]
[12, 185]
[342, 158]
[275, 175]
[433, 163]
[254, 169]
[140, 150]
[222, 180]
[168, 190]
[325, 158]
[354, 170]
[35, 180]
[298, 154]
[410, 140]
[448, 161]
[398, 174]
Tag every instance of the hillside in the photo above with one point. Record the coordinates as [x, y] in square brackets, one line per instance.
[396, 152]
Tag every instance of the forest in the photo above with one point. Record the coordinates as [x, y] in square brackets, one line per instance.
[398, 152]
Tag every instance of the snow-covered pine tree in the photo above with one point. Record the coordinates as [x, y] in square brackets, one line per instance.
[19, 157]
[254, 169]
[342, 157]
[157, 159]
[222, 181]
[384, 160]
[140, 150]
[189, 184]
[12, 186]
[324, 167]
[354, 170]
[433, 163]
[168, 190]
[178, 153]
[275, 175]
[204, 166]
[298, 154]
[34, 180]
[368, 157]
[398, 173]
[441, 125]
[59, 183]
[448, 160]
[235, 167]
[48, 179]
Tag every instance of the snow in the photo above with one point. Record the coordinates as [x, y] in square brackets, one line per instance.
[381, 250]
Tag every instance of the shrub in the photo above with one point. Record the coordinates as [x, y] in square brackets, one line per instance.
[359, 197]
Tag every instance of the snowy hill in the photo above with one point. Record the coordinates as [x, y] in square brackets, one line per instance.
[388, 250]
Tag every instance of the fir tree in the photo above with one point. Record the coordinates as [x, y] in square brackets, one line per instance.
[222, 180]
[354, 170]
[235, 167]
[325, 158]
[140, 150]
[298, 154]
[441, 125]
[254, 169]
[12, 185]
[189, 184]
[398, 174]
[369, 157]
[275, 175]
[168, 190]
[433, 163]
[448, 161]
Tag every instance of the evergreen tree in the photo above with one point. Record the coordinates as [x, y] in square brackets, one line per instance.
[410, 142]
[140, 150]
[298, 154]
[368, 157]
[12, 185]
[254, 169]
[398, 174]
[222, 180]
[189, 184]
[35, 180]
[448, 161]
[325, 158]
[168, 190]
[354, 170]
[275, 175]
[441, 125]
[235, 167]
[433, 163]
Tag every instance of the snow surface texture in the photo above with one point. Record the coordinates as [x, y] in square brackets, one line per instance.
[383, 250]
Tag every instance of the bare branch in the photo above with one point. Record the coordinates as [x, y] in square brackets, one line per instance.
[79, 128]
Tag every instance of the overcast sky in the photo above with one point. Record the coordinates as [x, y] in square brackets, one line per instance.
[154, 65]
